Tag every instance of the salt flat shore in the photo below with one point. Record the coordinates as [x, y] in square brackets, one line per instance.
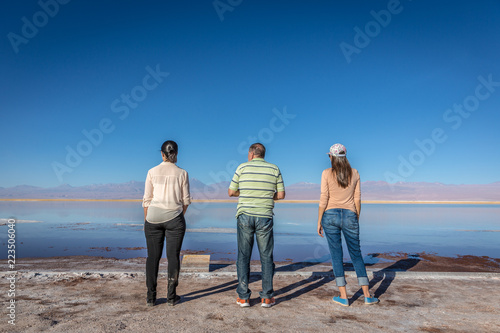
[423, 293]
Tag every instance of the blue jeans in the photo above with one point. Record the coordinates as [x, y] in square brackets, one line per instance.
[334, 222]
[262, 228]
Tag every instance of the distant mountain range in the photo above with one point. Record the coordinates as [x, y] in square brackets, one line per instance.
[370, 190]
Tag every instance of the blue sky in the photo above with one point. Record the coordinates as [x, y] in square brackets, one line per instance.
[411, 88]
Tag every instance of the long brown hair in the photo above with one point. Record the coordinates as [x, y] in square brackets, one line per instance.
[342, 170]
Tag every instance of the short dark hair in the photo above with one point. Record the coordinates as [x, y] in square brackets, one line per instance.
[170, 149]
[258, 149]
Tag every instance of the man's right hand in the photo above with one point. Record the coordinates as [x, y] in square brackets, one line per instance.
[232, 193]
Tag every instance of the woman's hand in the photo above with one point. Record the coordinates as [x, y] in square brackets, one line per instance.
[321, 211]
[320, 229]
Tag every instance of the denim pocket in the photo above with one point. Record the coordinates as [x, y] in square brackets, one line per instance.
[264, 224]
[351, 220]
[243, 221]
[330, 218]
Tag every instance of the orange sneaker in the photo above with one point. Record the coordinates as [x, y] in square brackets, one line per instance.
[268, 302]
[244, 303]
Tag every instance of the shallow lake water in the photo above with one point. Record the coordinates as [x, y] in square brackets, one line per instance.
[115, 229]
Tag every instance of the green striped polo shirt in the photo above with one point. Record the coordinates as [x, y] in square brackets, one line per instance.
[257, 181]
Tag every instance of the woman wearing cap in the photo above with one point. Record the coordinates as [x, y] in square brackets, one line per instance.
[166, 199]
[339, 208]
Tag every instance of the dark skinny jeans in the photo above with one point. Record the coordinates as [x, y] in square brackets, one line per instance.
[156, 233]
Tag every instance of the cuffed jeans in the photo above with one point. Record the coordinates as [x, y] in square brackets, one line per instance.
[334, 222]
[262, 228]
[156, 233]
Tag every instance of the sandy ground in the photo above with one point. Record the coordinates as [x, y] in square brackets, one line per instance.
[92, 294]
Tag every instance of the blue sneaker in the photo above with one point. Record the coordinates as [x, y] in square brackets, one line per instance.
[371, 300]
[341, 301]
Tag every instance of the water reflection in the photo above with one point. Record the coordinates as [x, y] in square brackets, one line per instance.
[114, 229]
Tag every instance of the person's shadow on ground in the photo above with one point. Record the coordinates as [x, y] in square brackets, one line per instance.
[387, 275]
[319, 281]
[227, 286]
[307, 286]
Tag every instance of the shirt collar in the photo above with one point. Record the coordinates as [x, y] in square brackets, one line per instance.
[257, 159]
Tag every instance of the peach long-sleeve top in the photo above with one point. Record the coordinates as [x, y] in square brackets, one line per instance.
[334, 196]
[166, 192]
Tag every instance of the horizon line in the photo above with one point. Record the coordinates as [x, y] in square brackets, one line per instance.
[448, 202]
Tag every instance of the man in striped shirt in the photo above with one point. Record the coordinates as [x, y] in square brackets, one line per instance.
[257, 183]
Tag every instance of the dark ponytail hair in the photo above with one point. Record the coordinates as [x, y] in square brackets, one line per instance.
[342, 170]
[169, 149]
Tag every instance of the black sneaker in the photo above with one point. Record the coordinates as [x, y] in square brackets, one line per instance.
[174, 301]
[151, 302]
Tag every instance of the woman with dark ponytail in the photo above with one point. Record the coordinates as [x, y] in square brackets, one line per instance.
[166, 199]
[169, 150]
[339, 209]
